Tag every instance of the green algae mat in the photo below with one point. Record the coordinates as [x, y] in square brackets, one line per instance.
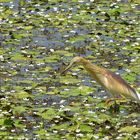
[37, 41]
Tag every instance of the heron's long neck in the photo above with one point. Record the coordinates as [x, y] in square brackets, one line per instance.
[91, 68]
[94, 70]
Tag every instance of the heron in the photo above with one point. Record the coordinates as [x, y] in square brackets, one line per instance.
[111, 82]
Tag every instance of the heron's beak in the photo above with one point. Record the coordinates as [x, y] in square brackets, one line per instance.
[67, 68]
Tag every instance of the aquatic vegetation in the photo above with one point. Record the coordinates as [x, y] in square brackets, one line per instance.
[37, 40]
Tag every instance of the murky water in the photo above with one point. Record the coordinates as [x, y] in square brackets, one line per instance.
[38, 39]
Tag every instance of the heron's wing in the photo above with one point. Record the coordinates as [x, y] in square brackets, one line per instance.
[120, 85]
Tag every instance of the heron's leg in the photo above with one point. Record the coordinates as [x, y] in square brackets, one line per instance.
[116, 100]
[109, 100]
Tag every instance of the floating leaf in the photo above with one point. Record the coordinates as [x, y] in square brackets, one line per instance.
[129, 129]
[8, 122]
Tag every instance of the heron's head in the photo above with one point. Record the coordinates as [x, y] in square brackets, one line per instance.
[74, 61]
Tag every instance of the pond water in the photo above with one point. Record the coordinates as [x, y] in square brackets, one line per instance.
[37, 41]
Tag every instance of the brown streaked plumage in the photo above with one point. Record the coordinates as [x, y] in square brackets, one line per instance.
[109, 80]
